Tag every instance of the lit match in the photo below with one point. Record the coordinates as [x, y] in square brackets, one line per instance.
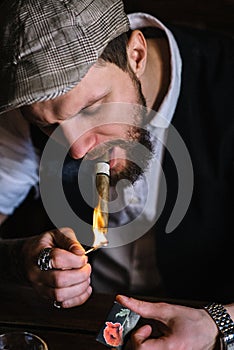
[100, 213]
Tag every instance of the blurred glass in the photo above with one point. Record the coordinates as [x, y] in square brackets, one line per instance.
[21, 341]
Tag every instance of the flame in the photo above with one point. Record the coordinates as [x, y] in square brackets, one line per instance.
[99, 226]
[98, 219]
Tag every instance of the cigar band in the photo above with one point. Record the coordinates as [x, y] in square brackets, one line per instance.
[103, 168]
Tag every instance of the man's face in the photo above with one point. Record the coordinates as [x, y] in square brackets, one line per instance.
[105, 111]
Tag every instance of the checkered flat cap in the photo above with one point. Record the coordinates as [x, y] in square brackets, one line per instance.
[47, 46]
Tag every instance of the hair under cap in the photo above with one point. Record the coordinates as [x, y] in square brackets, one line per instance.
[48, 46]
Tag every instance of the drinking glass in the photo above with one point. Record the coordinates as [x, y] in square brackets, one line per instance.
[21, 341]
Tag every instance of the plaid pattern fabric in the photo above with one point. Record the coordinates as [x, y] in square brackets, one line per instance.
[47, 46]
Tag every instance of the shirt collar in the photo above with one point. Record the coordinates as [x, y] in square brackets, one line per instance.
[165, 113]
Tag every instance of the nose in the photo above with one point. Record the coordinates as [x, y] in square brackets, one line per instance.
[79, 142]
[82, 145]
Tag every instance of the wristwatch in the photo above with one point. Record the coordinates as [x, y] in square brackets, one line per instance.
[224, 323]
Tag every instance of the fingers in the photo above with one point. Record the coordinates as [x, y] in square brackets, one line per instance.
[65, 238]
[157, 311]
[65, 278]
[69, 281]
[67, 297]
[77, 300]
[66, 251]
[69, 287]
[63, 259]
[69, 293]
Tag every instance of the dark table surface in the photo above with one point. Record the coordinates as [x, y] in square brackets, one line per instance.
[76, 328]
[22, 309]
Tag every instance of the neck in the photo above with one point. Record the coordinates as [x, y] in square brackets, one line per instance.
[156, 78]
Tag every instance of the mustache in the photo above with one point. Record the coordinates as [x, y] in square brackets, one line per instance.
[102, 149]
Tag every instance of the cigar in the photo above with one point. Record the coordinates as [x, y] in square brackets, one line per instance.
[100, 214]
[102, 185]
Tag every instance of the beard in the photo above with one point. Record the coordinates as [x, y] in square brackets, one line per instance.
[138, 155]
[138, 146]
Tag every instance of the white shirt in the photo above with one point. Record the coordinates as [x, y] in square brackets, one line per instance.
[18, 161]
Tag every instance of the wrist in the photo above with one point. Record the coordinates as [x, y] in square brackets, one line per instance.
[210, 330]
[11, 261]
[224, 323]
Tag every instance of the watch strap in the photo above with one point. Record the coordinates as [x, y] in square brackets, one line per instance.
[224, 323]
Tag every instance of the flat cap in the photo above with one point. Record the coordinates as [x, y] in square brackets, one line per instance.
[47, 46]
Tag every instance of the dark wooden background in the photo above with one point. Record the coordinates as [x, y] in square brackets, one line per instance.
[211, 14]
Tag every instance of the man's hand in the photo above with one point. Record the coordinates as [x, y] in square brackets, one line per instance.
[186, 328]
[69, 281]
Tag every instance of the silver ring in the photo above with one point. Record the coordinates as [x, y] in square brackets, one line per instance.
[44, 260]
[57, 304]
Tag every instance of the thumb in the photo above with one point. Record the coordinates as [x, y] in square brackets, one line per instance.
[141, 334]
[65, 238]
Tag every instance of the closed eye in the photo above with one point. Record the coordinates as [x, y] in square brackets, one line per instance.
[90, 110]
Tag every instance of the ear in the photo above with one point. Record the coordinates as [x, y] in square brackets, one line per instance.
[137, 52]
